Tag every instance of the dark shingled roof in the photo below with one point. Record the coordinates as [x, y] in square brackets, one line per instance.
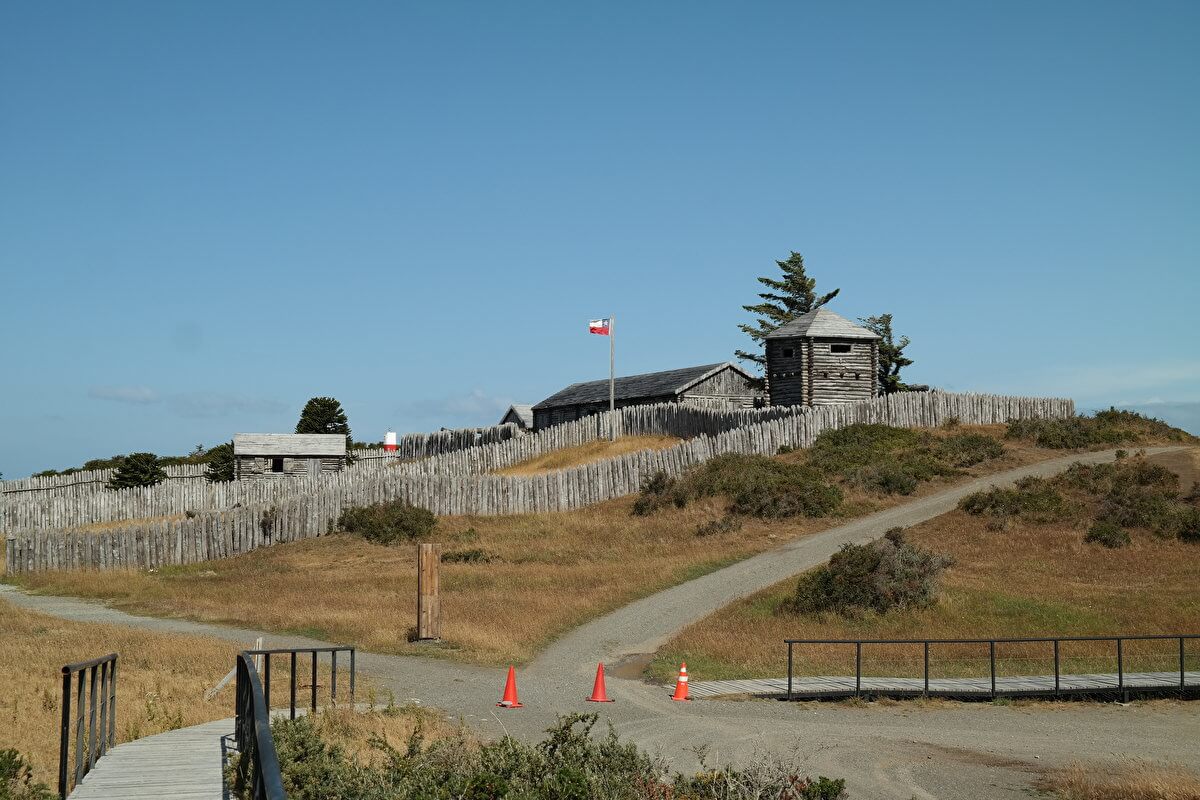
[651, 384]
[821, 322]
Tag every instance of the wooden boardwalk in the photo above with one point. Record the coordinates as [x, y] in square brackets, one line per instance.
[1025, 685]
[186, 764]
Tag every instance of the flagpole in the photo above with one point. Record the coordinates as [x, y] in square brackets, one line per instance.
[612, 393]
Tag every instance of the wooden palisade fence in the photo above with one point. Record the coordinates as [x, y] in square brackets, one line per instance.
[312, 508]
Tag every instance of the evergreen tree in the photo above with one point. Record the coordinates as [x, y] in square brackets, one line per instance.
[221, 466]
[784, 300]
[324, 415]
[137, 469]
[891, 353]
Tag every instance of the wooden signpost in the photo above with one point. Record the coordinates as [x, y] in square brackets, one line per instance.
[429, 605]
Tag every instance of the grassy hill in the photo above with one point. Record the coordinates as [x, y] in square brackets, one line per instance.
[511, 584]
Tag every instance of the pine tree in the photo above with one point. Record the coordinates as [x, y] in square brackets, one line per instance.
[137, 469]
[786, 299]
[221, 465]
[324, 415]
[891, 353]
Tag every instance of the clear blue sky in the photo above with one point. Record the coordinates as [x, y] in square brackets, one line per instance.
[210, 212]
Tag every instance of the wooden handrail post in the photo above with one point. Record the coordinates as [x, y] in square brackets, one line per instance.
[429, 606]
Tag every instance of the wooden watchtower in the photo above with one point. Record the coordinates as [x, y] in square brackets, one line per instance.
[821, 358]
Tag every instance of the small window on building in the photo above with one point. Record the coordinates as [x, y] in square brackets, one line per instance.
[839, 348]
[276, 465]
[788, 352]
[856, 376]
[824, 374]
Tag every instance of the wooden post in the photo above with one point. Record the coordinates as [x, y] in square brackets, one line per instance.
[429, 606]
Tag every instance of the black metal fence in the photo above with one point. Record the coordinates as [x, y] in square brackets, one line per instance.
[258, 765]
[1094, 673]
[94, 725]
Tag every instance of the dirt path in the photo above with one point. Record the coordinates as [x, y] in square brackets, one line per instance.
[945, 751]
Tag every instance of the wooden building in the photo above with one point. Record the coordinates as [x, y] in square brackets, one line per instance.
[722, 385]
[287, 455]
[519, 414]
[821, 358]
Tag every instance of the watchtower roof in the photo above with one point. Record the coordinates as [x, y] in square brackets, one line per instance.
[821, 322]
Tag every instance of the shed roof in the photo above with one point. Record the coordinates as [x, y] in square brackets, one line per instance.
[289, 444]
[650, 384]
[522, 411]
[821, 322]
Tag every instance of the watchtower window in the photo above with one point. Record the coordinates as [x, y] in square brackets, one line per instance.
[788, 352]
[839, 348]
[276, 465]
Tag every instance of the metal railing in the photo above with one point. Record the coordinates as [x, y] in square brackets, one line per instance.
[258, 763]
[990, 689]
[258, 769]
[314, 652]
[96, 691]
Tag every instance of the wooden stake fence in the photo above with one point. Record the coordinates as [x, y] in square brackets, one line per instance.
[462, 486]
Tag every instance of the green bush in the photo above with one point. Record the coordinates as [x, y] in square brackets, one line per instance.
[569, 764]
[388, 523]
[1032, 500]
[473, 555]
[1108, 534]
[726, 524]
[969, 449]
[222, 466]
[878, 576]
[16, 779]
[137, 469]
[756, 486]
[1110, 427]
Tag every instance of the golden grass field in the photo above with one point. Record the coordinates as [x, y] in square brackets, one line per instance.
[161, 684]
[1124, 781]
[587, 453]
[551, 573]
[1031, 580]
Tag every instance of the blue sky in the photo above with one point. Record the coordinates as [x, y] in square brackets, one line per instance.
[210, 212]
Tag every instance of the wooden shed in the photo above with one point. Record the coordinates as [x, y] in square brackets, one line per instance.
[821, 358]
[721, 385]
[519, 414]
[284, 455]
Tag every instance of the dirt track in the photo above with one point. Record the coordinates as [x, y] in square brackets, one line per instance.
[900, 751]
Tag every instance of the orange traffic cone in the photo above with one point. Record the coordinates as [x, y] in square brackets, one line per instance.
[510, 691]
[599, 695]
[681, 685]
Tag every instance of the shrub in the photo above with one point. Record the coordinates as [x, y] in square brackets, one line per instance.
[726, 524]
[16, 779]
[474, 555]
[1184, 524]
[755, 485]
[969, 449]
[569, 764]
[1110, 427]
[1033, 500]
[388, 523]
[657, 490]
[878, 576]
[845, 450]
[137, 469]
[1108, 534]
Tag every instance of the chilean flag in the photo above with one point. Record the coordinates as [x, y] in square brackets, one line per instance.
[599, 326]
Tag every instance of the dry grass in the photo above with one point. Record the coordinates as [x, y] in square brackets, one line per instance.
[1127, 781]
[550, 573]
[1032, 580]
[161, 680]
[357, 731]
[587, 453]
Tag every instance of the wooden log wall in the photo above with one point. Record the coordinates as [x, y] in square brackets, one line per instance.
[264, 518]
